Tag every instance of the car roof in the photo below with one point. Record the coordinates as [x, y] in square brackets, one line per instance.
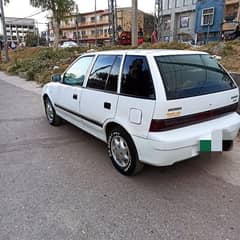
[148, 52]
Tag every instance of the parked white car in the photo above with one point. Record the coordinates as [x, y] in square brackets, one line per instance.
[156, 107]
[69, 44]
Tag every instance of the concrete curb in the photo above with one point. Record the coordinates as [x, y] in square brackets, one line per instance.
[21, 82]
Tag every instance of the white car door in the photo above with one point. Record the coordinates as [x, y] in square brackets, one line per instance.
[136, 102]
[69, 91]
[99, 98]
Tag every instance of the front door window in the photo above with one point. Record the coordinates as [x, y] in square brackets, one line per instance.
[75, 75]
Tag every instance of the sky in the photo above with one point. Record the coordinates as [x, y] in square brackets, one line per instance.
[22, 8]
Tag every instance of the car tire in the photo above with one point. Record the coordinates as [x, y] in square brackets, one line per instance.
[52, 117]
[123, 153]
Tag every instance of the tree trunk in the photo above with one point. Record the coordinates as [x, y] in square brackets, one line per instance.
[56, 30]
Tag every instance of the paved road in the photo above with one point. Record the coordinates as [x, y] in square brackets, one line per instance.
[58, 183]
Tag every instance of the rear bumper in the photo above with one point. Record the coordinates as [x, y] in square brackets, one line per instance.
[169, 147]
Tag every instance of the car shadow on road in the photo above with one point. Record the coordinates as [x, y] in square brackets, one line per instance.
[218, 166]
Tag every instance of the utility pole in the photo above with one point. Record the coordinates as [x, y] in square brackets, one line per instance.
[158, 18]
[38, 37]
[77, 36]
[112, 8]
[4, 32]
[76, 21]
[48, 34]
[95, 9]
[134, 23]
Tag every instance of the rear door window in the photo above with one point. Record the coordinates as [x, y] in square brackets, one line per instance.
[112, 81]
[105, 72]
[192, 75]
[136, 78]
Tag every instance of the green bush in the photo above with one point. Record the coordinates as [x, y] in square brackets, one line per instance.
[13, 68]
[30, 75]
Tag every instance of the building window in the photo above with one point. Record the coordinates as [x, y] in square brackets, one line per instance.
[166, 4]
[166, 23]
[97, 18]
[187, 2]
[83, 19]
[105, 32]
[207, 16]
[184, 22]
[100, 32]
[178, 3]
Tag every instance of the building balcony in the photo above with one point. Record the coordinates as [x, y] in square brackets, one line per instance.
[93, 37]
[68, 26]
[84, 25]
[230, 2]
[229, 26]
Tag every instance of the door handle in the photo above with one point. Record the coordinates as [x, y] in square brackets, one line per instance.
[107, 105]
[75, 96]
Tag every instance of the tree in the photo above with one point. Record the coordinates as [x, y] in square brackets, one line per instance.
[59, 9]
[31, 39]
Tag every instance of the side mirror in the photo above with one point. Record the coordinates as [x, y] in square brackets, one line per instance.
[56, 78]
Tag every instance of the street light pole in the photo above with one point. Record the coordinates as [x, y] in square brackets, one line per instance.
[134, 23]
[4, 32]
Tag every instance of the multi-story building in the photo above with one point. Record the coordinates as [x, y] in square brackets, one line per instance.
[86, 29]
[145, 21]
[231, 16]
[17, 28]
[209, 19]
[178, 20]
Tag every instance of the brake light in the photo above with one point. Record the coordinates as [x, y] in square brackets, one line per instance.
[158, 125]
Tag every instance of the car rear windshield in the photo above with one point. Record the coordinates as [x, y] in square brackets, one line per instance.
[192, 75]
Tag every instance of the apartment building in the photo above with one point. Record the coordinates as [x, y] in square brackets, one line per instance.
[17, 28]
[145, 21]
[209, 19]
[178, 20]
[85, 27]
[231, 16]
[87, 30]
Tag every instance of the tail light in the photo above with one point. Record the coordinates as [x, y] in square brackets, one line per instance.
[158, 125]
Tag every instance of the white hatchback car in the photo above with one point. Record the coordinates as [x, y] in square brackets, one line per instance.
[150, 106]
[69, 44]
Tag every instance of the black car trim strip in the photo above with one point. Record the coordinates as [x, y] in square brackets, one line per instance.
[79, 115]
